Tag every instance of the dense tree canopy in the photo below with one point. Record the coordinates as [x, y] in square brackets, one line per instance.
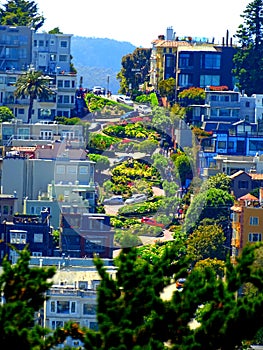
[21, 13]
[249, 57]
[213, 203]
[23, 290]
[135, 70]
[206, 242]
[5, 114]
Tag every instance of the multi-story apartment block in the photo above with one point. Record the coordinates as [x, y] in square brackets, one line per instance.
[51, 52]
[73, 295]
[224, 106]
[22, 49]
[85, 234]
[32, 231]
[16, 48]
[25, 176]
[18, 134]
[192, 62]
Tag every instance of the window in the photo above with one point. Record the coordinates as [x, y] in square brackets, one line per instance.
[231, 145]
[41, 43]
[67, 83]
[225, 112]
[17, 238]
[222, 144]
[254, 237]
[46, 134]
[5, 209]
[36, 253]
[72, 169]
[210, 61]
[83, 170]
[63, 58]
[63, 307]
[23, 133]
[247, 104]
[60, 83]
[185, 80]
[63, 43]
[89, 309]
[255, 145]
[52, 306]
[56, 324]
[73, 307]
[21, 111]
[66, 99]
[253, 220]
[94, 245]
[60, 169]
[207, 80]
[52, 57]
[38, 238]
[184, 60]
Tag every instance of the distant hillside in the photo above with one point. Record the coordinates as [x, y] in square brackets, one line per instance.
[95, 59]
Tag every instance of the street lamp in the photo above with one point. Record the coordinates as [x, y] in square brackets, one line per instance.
[108, 84]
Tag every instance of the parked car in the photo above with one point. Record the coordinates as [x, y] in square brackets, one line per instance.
[122, 159]
[130, 114]
[124, 99]
[152, 222]
[114, 200]
[144, 109]
[136, 198]
[98, 90]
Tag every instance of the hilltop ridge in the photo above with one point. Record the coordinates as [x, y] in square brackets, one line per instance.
[97, 58]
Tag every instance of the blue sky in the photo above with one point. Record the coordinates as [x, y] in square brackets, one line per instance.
[141, 21]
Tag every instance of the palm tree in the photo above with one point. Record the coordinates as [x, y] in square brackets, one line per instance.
[33, 84]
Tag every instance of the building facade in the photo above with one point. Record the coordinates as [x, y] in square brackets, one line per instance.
[191, 62]
[247, 223]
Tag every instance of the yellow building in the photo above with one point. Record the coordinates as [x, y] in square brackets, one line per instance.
[247, 223]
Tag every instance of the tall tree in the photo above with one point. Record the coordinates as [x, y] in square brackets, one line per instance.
[32, 84]
[249, 57]
[133, 314]
[135, 69]
[23, 293]
[21, 13]
[211, 204]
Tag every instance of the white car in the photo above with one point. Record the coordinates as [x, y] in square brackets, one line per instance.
[98, 90]
[124, 99]
[114, 200]
[136, 198]
[144, 109]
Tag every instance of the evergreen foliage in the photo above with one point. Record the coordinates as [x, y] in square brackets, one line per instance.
[21, 13]
[248, 59]
[23, 293]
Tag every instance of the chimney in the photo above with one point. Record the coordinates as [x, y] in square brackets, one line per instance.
[227, 37]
